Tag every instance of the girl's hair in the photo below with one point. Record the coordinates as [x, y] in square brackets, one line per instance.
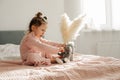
[37, 21]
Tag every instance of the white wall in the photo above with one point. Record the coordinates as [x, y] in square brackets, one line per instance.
[104, 43]
[72, 8]
[16, 15]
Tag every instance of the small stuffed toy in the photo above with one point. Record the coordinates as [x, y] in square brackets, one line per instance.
[67, 56]
[70, 30]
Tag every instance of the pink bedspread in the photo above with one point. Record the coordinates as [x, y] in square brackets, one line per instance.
[84, 67]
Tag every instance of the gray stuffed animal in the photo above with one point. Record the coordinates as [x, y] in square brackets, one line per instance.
[68, 54]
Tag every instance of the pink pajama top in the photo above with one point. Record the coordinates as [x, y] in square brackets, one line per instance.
[39, 50]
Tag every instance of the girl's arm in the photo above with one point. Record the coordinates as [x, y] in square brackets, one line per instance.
[52, 43]
[31, 41]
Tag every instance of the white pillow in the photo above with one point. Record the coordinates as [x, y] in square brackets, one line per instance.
[9, 52]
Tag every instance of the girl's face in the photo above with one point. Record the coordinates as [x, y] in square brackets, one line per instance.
[39, 31]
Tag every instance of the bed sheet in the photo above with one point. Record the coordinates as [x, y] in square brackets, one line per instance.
[83, 67]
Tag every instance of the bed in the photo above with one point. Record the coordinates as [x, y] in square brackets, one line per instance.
[83, 67]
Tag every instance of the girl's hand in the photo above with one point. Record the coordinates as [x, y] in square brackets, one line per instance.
[61, 49]
[63, 45]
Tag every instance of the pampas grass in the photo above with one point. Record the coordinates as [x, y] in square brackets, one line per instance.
[70, 29]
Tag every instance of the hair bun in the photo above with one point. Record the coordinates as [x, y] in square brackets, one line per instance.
[39, 14]
[45, 17]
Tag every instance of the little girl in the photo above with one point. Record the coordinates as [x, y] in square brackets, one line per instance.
[34, 49]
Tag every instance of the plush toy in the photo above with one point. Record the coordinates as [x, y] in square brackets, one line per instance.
[70, 30]
[67, 56]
